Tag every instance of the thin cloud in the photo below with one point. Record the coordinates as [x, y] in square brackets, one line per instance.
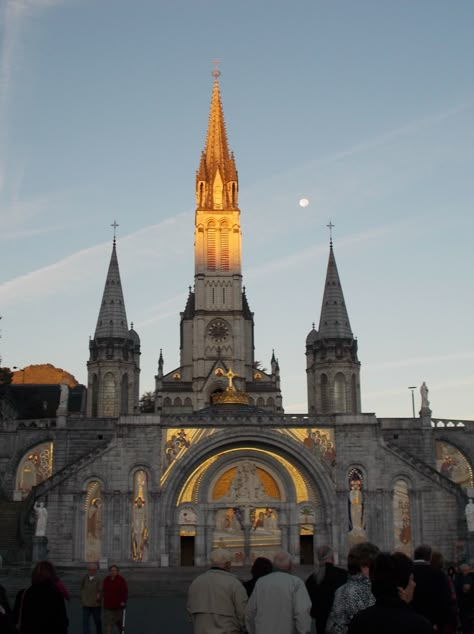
[62, 275]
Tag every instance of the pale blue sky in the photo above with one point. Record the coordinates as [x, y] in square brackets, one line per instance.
[366, 108]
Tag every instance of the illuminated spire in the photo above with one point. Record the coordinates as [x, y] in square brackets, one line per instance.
[216, 178]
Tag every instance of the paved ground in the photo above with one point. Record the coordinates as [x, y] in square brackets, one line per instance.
[156, 602]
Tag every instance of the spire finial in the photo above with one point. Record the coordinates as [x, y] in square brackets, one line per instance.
[115, 225]
[314, 325]
[330, 227]
[216, 72]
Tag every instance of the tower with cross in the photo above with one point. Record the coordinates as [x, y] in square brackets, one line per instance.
[332, 364]
[113, 368]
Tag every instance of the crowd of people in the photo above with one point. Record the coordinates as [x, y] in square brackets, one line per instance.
[378, 593]
[41, 607]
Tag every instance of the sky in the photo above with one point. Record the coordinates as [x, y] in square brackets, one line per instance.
[364, 108]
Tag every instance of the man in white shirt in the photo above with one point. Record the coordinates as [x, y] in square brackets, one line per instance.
[280, 603]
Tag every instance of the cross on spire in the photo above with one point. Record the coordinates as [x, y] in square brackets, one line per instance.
[216, 72]
[115, 225]
[330, 227]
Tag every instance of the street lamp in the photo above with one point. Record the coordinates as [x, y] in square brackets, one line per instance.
[412, 388]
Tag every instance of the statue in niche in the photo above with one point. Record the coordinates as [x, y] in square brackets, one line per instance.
[139, 531]
[469, 512]
[41, 519]
[356, 509]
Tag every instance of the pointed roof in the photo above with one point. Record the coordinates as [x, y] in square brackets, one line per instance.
[112, 321]
[334, 321]
[216, 156]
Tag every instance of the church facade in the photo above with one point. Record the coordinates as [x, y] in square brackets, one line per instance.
[218, 462]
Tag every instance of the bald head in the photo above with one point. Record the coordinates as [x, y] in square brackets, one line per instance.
[282, 561]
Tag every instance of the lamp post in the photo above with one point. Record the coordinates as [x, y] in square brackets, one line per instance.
[412, 388]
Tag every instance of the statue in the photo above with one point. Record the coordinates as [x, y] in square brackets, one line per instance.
[425, 404]
[41, 519]
[469, 512]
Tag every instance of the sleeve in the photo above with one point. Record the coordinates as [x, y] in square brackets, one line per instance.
[251, 612]
[336, 623]
[302, 609]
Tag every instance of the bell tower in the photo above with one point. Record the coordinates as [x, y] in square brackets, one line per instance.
[332, 365]
[113, 368]
[217, 326]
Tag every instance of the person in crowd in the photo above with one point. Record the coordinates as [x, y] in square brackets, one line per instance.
[322, 585]
[437, 562]
[432, 598]
[392, 586]
[356, 594]
[40, 609]
[216, 598]
[115, 592]
[261, 567]
[465, 595]
[7, 625]
[91, 597]
[279, 601]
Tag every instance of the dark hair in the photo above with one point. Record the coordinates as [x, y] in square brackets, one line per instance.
[43, 571]
[390, 572]
[423, 551]
[361, 555]
[261, 567]
[114, 566]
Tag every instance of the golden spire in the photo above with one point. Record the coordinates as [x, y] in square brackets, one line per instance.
[216, 178]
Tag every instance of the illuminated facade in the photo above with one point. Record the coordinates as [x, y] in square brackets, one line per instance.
[219, 462]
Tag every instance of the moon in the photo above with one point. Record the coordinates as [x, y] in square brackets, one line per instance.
[304, 202]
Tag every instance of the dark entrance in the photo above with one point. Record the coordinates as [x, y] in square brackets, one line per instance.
[306, 550]
[187, 551]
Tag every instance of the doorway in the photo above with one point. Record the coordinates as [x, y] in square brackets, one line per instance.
[187, 550]
[306, 550]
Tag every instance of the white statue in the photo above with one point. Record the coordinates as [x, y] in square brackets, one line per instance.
[424, 396]
[41, 519]
[63, 397]
[469, 511]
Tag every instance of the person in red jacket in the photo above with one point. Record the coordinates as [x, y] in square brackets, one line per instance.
[115, 593]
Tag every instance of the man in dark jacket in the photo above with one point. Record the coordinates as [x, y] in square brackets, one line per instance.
[322, 585]
[115, 592]
[432, 596]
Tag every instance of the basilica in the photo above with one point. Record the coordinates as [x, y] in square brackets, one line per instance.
[217, 461]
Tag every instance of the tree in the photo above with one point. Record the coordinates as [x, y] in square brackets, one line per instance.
[6, 376]
[147, 403]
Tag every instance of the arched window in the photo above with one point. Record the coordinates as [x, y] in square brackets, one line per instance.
[124, 395]
[354, 394]
[324, 394]
[340, 396]
[110, 395]
[35, 466]
[95, 394]
[211, 247]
